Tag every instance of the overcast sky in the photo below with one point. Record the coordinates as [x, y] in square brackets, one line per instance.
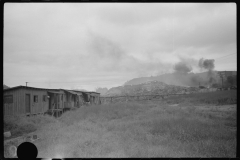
[85, 46]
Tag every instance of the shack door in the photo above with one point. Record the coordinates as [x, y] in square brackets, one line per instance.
[27, 103]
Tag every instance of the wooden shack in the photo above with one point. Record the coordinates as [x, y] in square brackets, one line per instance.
[72, 99]
[56, 103]
[22, 100]
[55, 99]
[85, 96]
[89, 97]
[94, 97]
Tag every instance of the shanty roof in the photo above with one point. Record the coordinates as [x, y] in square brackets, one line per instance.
[94, 94]
[56, 92]
[88, 93]
[72, 92]
[26, 87]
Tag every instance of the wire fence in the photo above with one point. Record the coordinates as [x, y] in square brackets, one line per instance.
[126, 98]
[114, 99]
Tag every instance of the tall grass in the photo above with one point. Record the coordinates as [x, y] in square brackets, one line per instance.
[21, 125]
[149, 129]
[141, 129]
[218, 97]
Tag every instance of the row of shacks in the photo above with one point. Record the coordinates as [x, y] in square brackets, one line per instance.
[23, 100]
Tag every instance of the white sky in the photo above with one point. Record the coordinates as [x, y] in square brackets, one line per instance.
[85, 46]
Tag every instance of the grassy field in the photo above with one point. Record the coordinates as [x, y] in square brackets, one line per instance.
[185, 126]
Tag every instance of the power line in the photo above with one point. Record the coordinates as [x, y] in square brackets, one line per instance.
[225, 56]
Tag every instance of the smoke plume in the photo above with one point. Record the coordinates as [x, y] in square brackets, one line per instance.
[207, 64]
[182, 67]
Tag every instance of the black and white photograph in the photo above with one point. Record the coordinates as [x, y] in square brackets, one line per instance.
[120, 80]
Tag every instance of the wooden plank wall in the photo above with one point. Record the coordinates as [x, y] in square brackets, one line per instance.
[94, 98]
[18, 106]
[81, 100]
[8, 109]
[68, 100]
[40, 106]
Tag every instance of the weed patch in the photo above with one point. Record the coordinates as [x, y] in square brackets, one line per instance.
[142, 129]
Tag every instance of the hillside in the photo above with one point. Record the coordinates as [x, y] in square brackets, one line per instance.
[190, 79]
[180, 79]
[170, 83]
[148, 88]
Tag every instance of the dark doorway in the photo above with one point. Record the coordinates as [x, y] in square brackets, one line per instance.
[50, 101]
[27, 103]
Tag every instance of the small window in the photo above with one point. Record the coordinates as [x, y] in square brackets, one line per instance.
[62, 97]
[35, 99]
[44, 98]
[8, 99]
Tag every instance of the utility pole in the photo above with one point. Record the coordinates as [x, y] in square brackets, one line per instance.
[222, 81]
[26, 84]
[221, 74]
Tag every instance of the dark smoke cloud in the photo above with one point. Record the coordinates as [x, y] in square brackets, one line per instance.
[207, 64]
[182, 67]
